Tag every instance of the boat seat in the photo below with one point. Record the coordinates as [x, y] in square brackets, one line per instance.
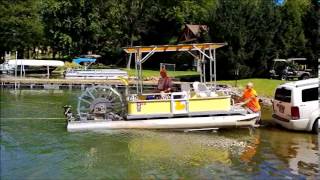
[185, 87]
[202, 90]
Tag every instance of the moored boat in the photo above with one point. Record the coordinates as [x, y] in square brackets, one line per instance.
[30, 66]
[87, 73]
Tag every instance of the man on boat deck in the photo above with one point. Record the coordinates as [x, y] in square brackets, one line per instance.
[165, 82]
[250, 100]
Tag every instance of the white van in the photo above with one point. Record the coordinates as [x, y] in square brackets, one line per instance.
[296, 105]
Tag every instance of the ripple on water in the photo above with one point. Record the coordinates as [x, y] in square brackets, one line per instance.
[42, 148]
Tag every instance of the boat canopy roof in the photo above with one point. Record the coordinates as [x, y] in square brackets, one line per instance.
[290, 59]
[34, 62]
[205, 51]
[170, 48]
[297, 59]
[280, 60]
[84, 60]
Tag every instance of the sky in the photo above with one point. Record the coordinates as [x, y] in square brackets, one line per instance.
[280, 2]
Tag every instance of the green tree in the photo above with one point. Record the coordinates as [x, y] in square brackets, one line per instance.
[290, 40]
[71, 26]
[311, 24]
[20, 26]
[235, 22]
[257, 31]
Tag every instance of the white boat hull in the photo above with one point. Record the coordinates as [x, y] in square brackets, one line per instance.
[171, 123]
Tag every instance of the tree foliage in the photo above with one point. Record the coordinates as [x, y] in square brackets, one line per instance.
[256, 31]
[20, 25]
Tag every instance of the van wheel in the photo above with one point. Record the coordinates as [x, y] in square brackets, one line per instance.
[315, 127]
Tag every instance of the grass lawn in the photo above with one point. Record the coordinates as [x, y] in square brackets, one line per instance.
[156, 73]
[264, 87]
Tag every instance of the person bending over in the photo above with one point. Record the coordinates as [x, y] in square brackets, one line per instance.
[250, 100]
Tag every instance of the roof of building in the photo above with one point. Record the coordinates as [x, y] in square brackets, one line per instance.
[196, 29]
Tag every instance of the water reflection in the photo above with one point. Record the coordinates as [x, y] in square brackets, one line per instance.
[42, 148]
[299, 150]
[157, 154]
[195, 150]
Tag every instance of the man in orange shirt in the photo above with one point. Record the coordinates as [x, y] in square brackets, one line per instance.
[250, 100]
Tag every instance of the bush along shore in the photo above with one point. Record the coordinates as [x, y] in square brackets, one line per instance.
[237, 93]
[264, 87]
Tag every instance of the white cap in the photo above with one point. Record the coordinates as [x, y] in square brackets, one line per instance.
[250, 84]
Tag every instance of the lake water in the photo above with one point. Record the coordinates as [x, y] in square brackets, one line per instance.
[36, 145]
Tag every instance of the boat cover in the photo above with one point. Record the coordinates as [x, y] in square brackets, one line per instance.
[85, 60]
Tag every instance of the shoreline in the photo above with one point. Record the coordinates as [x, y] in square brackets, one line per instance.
[9, 81]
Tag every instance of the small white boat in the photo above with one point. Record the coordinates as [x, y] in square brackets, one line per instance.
[30, 65]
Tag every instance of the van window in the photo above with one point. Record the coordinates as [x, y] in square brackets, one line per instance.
[283, 94]
[310, 95]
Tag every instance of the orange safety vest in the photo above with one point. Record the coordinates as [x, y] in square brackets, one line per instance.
[253, 104]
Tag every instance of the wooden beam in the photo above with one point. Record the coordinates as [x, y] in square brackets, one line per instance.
[172, 48]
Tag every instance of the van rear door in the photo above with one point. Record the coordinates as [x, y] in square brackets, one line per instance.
[282, 103]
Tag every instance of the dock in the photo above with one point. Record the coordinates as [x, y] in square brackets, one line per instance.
[45, 83]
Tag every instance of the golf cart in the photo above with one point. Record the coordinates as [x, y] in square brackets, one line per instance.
[291, 68]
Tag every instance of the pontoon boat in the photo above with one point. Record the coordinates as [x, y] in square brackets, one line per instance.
[87, 73]
[199, 107]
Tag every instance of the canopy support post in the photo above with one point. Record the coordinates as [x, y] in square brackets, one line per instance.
[15, 71]
[204, 68]
[146, 57]
[24, 72]
[210, 54]
[215, 69]
[202, 52]
[200, 67]
[48, 72]
[196, 57]
[141, 78]
[136, 71]
[138, 65]
[139, 68]
[21, 69]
